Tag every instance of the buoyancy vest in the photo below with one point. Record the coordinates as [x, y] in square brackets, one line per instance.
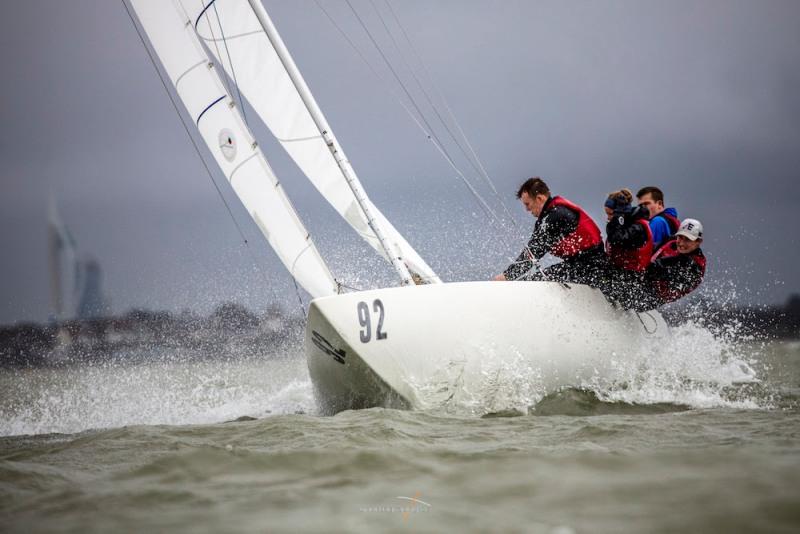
[665, 289]
[673, 222]
[586, 235]
[633, 259]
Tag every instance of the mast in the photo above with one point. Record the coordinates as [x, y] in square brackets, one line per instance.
[333, 145]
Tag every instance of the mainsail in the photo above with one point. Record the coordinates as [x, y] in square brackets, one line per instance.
[213, 111]
[241, 36]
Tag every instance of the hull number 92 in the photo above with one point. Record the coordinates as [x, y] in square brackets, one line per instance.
[365, 320]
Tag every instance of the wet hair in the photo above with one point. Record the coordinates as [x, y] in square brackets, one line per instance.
[653, 191]
[623, 196]
[534, 186]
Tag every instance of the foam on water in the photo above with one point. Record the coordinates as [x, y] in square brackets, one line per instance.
[108, 396]
[693, 368]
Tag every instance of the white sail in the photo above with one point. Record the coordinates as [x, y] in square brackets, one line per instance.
[199, 87]
[233, 32]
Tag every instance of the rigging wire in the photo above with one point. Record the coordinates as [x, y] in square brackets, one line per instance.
[224, 78]
[427, 129]
[233, 69]
[199, 153]
[204, 14]
[481, 169]
[424, 91]
[421, 87]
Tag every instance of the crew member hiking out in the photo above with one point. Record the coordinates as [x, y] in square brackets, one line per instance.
[678, 267]
[564, 230]
[663, 221]
[629, 246]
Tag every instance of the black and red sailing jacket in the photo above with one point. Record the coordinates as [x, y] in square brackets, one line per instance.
[634, 259]
[586, 235]
[673, 274]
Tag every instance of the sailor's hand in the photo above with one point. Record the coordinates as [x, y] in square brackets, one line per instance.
[500, 278]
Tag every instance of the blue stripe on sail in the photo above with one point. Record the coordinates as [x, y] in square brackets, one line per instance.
[202, 12]
[197, 122]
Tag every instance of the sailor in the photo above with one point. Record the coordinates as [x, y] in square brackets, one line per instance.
[677, 267]
[629, 246]
[663, 221]
[563, 229]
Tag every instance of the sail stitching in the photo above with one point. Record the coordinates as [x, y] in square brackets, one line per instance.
[229, 37]
[187, 71]
[296, 139]
[248, 158]
[299, 254]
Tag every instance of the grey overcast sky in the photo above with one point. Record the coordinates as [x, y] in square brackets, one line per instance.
[701, 98]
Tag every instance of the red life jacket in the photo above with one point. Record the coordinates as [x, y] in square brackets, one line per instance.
[664, 290]
[633, 259]
[586, 235]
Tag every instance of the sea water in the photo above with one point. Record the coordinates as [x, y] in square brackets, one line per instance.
[700, 435]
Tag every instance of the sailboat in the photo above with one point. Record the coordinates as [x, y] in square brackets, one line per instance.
[411, 346]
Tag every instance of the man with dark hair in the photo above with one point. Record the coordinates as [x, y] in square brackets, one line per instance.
[663, 221]
[564, 230]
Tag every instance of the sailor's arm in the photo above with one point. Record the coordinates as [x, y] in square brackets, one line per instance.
[556, 225]
[622, 232]
[520, 266]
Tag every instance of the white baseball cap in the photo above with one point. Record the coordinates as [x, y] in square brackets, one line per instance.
[691, 229]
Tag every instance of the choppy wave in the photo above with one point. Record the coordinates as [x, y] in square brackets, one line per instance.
[696, 369]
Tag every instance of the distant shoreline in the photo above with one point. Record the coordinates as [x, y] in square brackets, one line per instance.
[232, 331]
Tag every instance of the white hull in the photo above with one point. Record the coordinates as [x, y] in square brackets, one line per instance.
[415, 347]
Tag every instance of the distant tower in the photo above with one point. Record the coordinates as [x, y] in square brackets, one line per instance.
[93, 303]
[63, 264]
[76, 286]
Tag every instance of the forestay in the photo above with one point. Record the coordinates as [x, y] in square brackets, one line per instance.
[233, 33]
[213, 111]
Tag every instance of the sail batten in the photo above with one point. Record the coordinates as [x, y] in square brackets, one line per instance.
[175, 42]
